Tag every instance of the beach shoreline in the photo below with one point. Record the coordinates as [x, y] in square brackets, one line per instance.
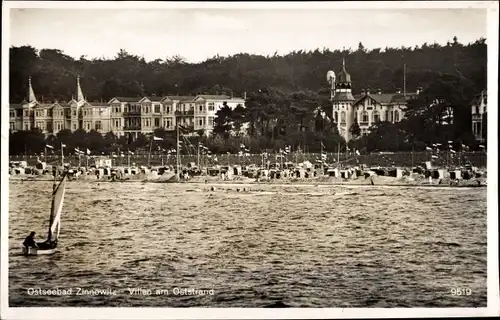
[322, 180]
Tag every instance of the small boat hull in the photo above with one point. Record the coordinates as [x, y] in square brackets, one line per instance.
[37, 252]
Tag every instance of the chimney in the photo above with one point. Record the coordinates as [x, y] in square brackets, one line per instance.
[398, 90]
[379, 91]
[368, 91]
[363, 92]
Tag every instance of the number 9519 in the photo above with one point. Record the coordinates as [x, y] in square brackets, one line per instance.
[461, 291]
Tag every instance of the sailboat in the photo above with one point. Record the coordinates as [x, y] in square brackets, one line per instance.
[50, 245]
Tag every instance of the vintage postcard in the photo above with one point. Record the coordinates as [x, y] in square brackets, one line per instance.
[265, 160]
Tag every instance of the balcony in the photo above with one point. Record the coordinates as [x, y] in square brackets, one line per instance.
[132, 127]
[185, 113]
[131, 113]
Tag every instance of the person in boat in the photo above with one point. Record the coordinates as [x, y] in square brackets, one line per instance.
[29, 242]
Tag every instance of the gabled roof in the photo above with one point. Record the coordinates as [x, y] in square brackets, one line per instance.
[125, 99]
[180, 98]
[213, 97]
[477, 98]
[386, 98]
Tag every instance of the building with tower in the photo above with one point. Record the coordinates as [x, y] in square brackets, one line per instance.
[122, 115]
[365, 108]
[479, 116]
[55, 116]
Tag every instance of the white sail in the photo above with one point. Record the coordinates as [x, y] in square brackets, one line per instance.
[58, 200]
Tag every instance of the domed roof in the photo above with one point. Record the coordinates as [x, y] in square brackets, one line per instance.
[343, 76]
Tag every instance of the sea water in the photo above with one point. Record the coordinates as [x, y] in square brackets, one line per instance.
[182, 245]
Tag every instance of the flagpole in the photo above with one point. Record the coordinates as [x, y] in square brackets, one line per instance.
[412, 151]
[281, 158]
[322, 167]
[338, 154]
[87, 164]
[198, 155]
[62, 156]
[177, 155]
[149, 155]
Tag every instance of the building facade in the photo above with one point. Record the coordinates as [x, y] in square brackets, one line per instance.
[479, 114]
[366, 108]
[122, 115]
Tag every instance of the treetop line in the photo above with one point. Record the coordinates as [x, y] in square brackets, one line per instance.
[288, 101]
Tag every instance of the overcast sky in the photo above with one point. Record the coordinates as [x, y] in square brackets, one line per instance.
[198, 34]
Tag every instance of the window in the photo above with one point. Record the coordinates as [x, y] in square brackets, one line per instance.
[49, 126]
[387, 116]
[201, 108]
[12, 126]
[200, 121]
[210, 106]
[342, 117]
[168, 124]
[74, 126]
[49, 113]
[157, 122]
[336, 115]
[376, 117]
[98, 125]
[74, 112]
[364, 117]
[396, 116]
[157, 108]
[26, 126]
[168, 109]
[12, 113]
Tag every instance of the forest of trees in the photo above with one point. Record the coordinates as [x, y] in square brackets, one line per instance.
[286, 94]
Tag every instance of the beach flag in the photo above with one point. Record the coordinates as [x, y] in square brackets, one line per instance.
[155, 138]
[49, 146]
[88, 151]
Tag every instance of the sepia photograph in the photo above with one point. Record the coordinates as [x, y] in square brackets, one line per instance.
[309, 159]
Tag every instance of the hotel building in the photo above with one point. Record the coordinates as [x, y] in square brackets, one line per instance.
[479, 112]
[366, 108]
[122, 115]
